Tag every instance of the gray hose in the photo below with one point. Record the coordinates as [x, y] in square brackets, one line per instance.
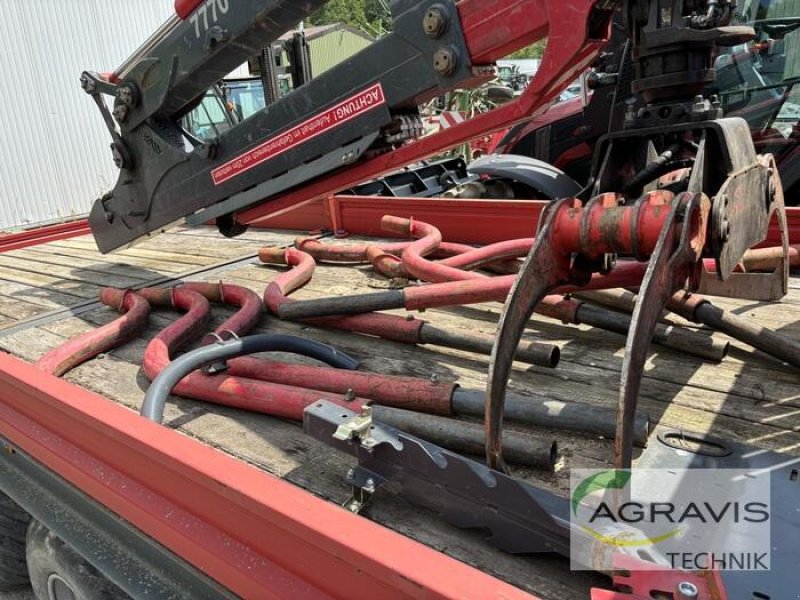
[159, 390]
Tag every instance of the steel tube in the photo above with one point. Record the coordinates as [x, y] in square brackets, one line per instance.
[535, 353]
[767, 259]
[81, 348]
[391, 327]
[162, 386]
[467, 438]
[545, 412]
[669, 336]
[700, 310]
[454, 293]
[358, 253]
[760, 338]
[251, 308]
[405, 392]
[239, 392]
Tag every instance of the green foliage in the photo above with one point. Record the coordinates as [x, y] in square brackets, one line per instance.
[371, 16]
[535, 50]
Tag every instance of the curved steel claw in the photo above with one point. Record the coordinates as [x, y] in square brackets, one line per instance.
[674, 260]
[544, 269]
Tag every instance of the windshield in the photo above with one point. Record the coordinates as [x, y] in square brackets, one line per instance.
[756, 80]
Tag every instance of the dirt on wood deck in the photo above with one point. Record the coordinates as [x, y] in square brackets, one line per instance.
[748, 397]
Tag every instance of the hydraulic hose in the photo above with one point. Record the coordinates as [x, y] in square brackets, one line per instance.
[160, 389]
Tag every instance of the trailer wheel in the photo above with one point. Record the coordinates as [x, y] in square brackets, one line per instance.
[13, 526]
[57, 572]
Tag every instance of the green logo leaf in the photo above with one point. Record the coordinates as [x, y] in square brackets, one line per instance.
[613, 479]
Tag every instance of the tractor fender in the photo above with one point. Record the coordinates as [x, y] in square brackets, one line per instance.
[542, 176]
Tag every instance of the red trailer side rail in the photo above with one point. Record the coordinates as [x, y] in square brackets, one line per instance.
[256, 535]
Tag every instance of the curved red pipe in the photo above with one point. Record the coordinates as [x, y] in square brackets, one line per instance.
[476, 258]
[238, 392]
[357, 253]
[76, 351]
[429, 238]
[403, 392]
[251, 308]
[553, 306]
[389, 327]
[341, 253]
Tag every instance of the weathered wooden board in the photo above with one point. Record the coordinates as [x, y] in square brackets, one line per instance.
[748, 397]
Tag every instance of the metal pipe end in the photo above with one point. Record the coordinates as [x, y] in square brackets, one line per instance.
[273, 256]
[551, 466]
[539, 354]
[397, 225]
[113, 297]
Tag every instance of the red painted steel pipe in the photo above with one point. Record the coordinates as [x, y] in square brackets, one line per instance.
[276, 296]
[428, 240]
[136, 313]
[452, 268]
[238, 392]
[343, 253]
[251, 308]
[766, 259]
[412, 393]
[390, 327]
[405, 392]
[364, 253]
[451, 293]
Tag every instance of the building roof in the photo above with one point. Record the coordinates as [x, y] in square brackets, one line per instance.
[321, 30]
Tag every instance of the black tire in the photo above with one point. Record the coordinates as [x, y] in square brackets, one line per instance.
[56, 569]
[13, 527]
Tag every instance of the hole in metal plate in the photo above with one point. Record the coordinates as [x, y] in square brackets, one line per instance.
[694, 443]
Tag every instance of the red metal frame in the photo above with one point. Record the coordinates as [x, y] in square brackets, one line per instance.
[466, 221]
[257, 535]
[42, 235]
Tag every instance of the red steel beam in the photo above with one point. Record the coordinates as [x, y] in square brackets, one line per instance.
[257, 535]
[466, 221]
[42, 235]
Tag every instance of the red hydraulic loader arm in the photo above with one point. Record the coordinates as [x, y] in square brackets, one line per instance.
[492, 31]
[353, 122]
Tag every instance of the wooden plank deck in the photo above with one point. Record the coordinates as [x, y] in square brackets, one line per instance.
[748, 397]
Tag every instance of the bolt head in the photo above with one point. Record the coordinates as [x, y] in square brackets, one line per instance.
[444, 61]
[434, 23]
[687, 591]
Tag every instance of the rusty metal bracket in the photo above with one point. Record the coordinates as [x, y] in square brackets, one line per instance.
[673, 262]
[765, 287]
[544, 269]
